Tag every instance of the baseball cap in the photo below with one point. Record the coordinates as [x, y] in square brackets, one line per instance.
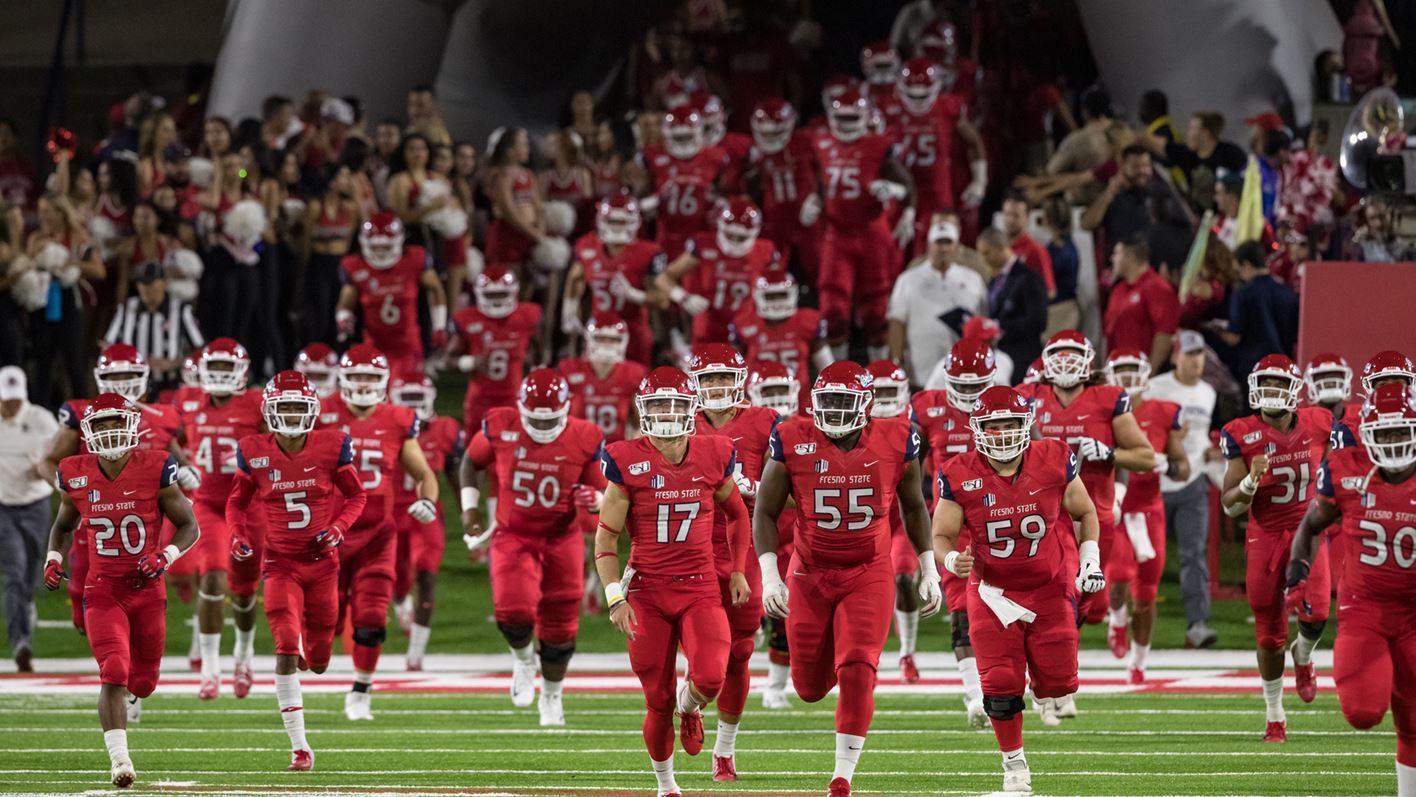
[982, 328]
[1188, 340]
[12, 383]
[1268, 120]
[151, 271]
[338, 110]
[943, 231]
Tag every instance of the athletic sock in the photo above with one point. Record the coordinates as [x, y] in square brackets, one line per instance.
[245, 647]
[1138, 655]
[210, 645]
[907, 626]
[1273, 699]
[687, 703]
[292, 709]
[117, 743]
[418, 641]
[848, 749]
[725, 743]
[363, 681]
[1120, 618]
[1009, 756]
[1303, 649]
[777, 675]
[194, 651]
[551, 687]
[968, 671]
[664, 773]
[525, 655]
[1405, 780]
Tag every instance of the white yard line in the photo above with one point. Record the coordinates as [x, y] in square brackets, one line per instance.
[749, 753]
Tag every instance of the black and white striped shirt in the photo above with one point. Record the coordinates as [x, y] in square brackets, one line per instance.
[167, 332]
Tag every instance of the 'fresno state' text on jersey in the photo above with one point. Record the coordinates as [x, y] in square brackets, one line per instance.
[725, 281]
[534, 480]
[638, 261]
[388, 298]
[847, 170]
[604, 402]
[685, 188]
[843, 497]
[499, 344]
[296, 490]
[1014, 523]
[1378, 527]
[1157, 420]
[378, 441]
[670, 521]
[1089, 415]
[439, 438]
[1294, 456]
[213, 434]
[122, 516]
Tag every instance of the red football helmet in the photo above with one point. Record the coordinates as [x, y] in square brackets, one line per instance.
[223, 367]
[879, 63]
[110, 425]
[290, 404]
[122, 369]
[739, 224]
[1386, 365]
[773, 121]
[1388, 426]
[416, 391]
[970, 371]
[497, 292]
[544, 404]
[683, 132]
[710, 110]
[892, 389]
[667, 401]
[848, 115]
[1274, 384]
[606, 338]
[1328, 378]
[381, 239]
[919, 84]
[617, 219]
[1128, 369]
[320, 365]
[775, 293]
[940, 41]
[363, 376]
[190, 375]
[1067, 358]
[1001, 421]
[711, 359]
[774, 386]
[1034, 373]
[841, 398]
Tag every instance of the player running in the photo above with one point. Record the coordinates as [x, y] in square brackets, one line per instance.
[716, 271]
[495, 338]
[320, 365]
[1274, 456]
[617, 268]
[1010, 492]
[120, 495]
[1370, 490]
[845, 472]
[603, 382]
[546, 466]
[1384, 367]
[663, 487]
[295, 472]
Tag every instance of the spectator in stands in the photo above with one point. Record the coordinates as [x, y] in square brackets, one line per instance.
[580, 111]
[216, 136]
[162, 328]
[1128, 205]
[147, 243]
[17, 184]
[57, 331]
[1376, 241]
[1143, 310]
[331, 220]
[406, 186]
[1273, 154]
[1063, 312]
[156, 139]
[930, 303]
[1015, 223]
[1208, 296]
[1090, 145]
[12, 316]
[1201, 157]
[1228, 186]
[279, 124]
[1017, 299]
[1286, 265]
[1263, 314]
[424, 115]
[388, 140]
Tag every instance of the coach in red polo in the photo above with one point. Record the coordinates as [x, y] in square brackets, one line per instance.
[1143, 311]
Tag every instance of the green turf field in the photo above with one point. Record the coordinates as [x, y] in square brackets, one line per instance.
[477, 744]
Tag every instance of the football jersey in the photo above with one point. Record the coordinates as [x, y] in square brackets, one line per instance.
[121, 517]
[638, 261]
[440, 438]
[388, 298]
[750, 431]
[378, 441]
[1378, 526]
[295, 490]
[726, 282]
[942, 425]
[604, 402]
[1294, 456]
[926, 143]
[885, 106]
[187, 400]
[1157, 419]
[671, 511]
[499, 344]
[788, 341]
[1089, 415]
[1344, 426]
[1015, 523]
[157, 423]
[213, 434]
[787, 177]
[847, 170]
[736, 148]
[534, 480]
[686, 187]
[843, 498]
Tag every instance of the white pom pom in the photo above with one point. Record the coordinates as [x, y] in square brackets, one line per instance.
[475, 262]
[105, 236]
[31, 290]
[69, 276]
[430, 191]
[201, 170]
[185, 262]
[182, 289]
[245, 221]
[292, 209]
[559, 217]
[551, 254]
[52, 257]
[450, 222]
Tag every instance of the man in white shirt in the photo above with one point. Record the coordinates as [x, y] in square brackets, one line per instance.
[930, 302]
[1187, 502]
[25, 430]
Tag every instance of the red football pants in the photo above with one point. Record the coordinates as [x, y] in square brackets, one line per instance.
[126, 620]
[1045, 649]
[856, 276]
[1265, 576]
[366, 561]
[1093, 606]
[1122, 567]
[420, 547]
[1374, 664]
[537, 581]
[302, 606]
[212, 553]
[743, 622]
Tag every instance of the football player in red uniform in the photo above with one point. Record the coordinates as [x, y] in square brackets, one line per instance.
[602, 383]
[684, 177]
[1383, 367]
[721, 374]
[617, 268]
[190, 395]
[846, 473]
[546, 464]
[420, 545]
[735, 147]
[385, 441]
[663, 488]
[225, 414]
[383, 281]
[1274, 456]
[859, 174]
[943, 421]
[1138, 555]
[1011, 493]
[716, 272]
[495, 338]
[774, 329]
[125, 600]
[880, 65]
[295, 472]
[1371, 491]
[781, 174]
[320, 365]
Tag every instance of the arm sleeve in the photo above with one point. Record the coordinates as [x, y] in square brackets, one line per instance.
[1324, 487]
[243, 488]
[946, 491]
[347, 480]
[346, 451]
[592, 474]
[610, 468]
[1123, 405]
[739, 528]
[1176, 423]
[658, 264]
[67, 416]
[1071, 466]
[479, 450]
[732, 465]
[1228, 446]
[774, 446]
[169, 472]
[912, 446]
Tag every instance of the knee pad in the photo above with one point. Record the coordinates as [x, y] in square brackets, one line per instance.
[1003, 707]
[1311, 629]
[513, 633]
[740, 649]
[370, 637]
[1364, 718]
[960, 629]
[557, 653]
[142, 687]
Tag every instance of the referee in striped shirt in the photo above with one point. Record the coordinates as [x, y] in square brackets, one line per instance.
[162, 328]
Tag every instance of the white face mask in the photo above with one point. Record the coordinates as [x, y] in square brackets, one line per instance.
[360, 393]
[1001, 445]
[721, 397]
[544, 434]
[114, 442]
[674, 420]
[1273, 398]
[1390, 456]
[283, 420]
[1066, 366]
[840, 421]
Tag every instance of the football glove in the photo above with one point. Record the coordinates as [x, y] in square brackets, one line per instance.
[692, 303]
[188, 478]
[774, 590]
[241, 550]
[586, 497]
[810, 210]
[330, 538]
[154, 565]
[54, 570]
[1092, 449]
[905, 228]
[1295, 593]
[1089, 577]
[423, 511]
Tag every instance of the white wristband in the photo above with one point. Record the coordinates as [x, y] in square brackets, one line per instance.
[678, 294]
[437, 315]
[1088, 551]
[768, 563]
[1249, 486]
[614, 594]
[949, 561]
[172, 553]
[55, 556]
[927, 567]
[343, 315]
[470, 497]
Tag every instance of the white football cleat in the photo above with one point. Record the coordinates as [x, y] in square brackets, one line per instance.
[123, 774]
[1047, 710]
[1067, 707]
[135, 709]
[978, 718]
[523, 684]
[552, 710]
[775, 698]
[1017, 778]
[357, 706]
